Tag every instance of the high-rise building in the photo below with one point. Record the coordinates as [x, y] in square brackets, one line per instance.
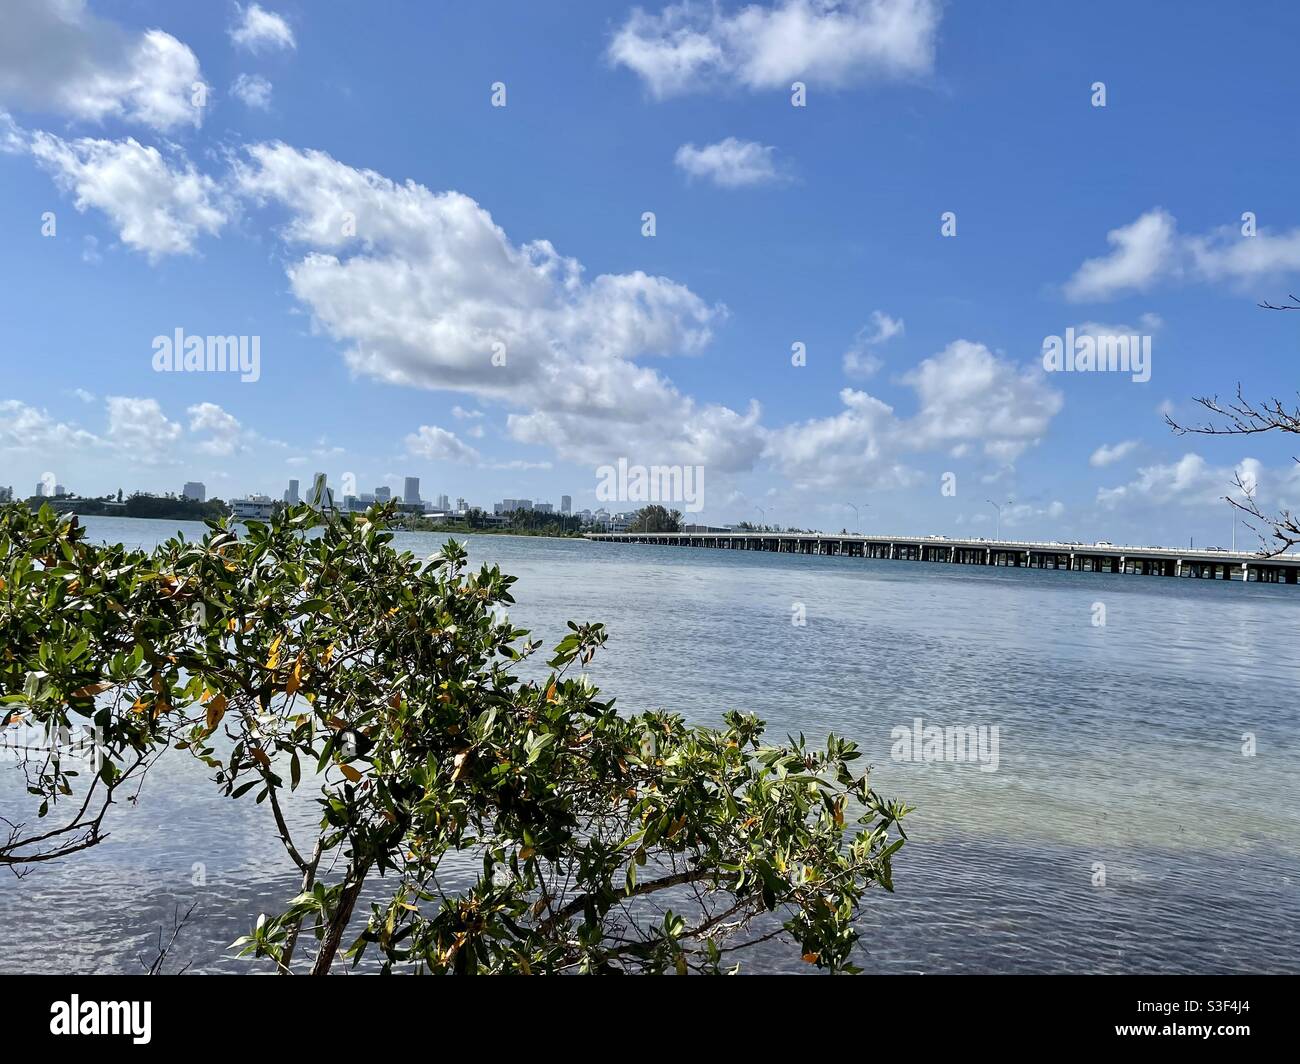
[566, 504]
[444, 503]
[383, 494]
[460, 504]
[411, 491]
[194, 489]
[59, 489]
[40, 489]
[291, 493]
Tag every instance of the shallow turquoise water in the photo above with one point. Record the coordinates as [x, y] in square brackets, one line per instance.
[1120, 748]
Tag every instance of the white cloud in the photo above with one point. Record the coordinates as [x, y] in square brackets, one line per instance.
[968, 393]
[1147, 324]
[227, 435]
[965, 394]
[1142, 252]
[730, 163]
[430, 292]
[1191, 481]
[259, 30]
[13, 140]
[57, 56]
[83, 395]
[1021, 513]
[139, 427]
[252, 90]
[857, 446]
[157, 207]
[1150, 250]
[1108, 454]
[1226, 255]
[693, 46]
[460, 412]
[25, 428]
[439, 445]
[859, 360]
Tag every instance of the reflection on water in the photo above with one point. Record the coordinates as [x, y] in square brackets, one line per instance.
[1120, 756]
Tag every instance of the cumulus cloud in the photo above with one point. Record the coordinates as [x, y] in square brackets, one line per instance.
[860, 360]
[694, 46]
[966, 396]
[55, 55]
[1191, 481]
[139, 427]
[426, 290]
[25, 428]
[159, 207]
[1143, 251]
[259, 30]
[252, 90]
[1151, 250]
[1022, 513]
[439, 445]
[226, 435]
[730, 163]
[968, 393]
[1109, 454]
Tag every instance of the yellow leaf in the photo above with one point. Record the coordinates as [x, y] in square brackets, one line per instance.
[216, 710]
[273, 659]
[351, 773]
[550, 692]
[91, 690]
[526, 853]
[462, 759]
[295, 677]
[812, 958]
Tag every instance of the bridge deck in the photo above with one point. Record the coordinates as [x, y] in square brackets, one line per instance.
[1076, 557]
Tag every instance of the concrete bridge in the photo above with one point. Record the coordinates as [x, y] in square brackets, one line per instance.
[1076, 557]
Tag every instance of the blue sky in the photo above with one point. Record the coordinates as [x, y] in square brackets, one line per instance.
[774, 225]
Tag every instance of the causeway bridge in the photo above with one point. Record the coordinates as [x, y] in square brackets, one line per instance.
[1076, 557]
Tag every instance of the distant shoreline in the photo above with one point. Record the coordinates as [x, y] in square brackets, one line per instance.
[452, 530]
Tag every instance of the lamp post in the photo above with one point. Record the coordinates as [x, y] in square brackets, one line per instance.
[857, 517]
[998, 533]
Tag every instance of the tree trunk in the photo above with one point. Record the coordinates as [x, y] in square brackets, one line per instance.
[342, 917]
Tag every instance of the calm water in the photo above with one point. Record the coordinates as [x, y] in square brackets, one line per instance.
[1120, 750]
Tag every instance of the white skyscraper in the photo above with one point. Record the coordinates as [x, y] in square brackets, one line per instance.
[291, 493]
[195, 490]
